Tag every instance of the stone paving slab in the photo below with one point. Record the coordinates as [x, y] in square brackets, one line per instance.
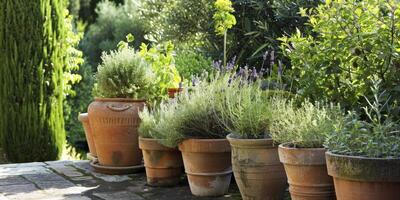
[76, 180]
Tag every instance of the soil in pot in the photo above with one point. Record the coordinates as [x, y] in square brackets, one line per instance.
[306, 172]
[114, 123]
[84, 119]
[361, 178]
[164, 166]
[207, 164]
[257, 170]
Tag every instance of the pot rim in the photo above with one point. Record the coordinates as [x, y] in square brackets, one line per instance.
[301, 156]
[83, 117]
[360, 157]
[205, 145]
[359, 168]
[118, 99]
[153, 144]
[251, 143]
[284, 146]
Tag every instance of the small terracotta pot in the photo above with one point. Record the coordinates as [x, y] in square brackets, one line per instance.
[173, 91]
[361, 178]
[306, 171]
[208, 165]
[84, 119]
[257, 170]
[163, 165]
[114, 124]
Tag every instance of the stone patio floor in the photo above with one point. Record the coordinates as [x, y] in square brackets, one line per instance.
[76, 180]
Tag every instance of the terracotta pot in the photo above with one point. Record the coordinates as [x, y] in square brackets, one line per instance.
[306, 172]
[114, 124]
[84, 119]
[257, 170]
[173, 91]
[163, 165]
[361, 178]
[207, 164]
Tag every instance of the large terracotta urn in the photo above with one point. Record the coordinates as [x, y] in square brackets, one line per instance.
[114, 125]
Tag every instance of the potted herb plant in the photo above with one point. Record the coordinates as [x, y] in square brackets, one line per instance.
[301, 132]
[164, 165]
[364, 153]
[246, 113]
[201, 139]
[162, 63]
[124, 82]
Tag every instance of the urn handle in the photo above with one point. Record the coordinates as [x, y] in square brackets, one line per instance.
[118, 108]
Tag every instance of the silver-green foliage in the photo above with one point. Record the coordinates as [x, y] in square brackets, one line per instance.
[376, 137]
[192, 115]
[245, 109]
[161, 123]
[124, 74]
[305, 126]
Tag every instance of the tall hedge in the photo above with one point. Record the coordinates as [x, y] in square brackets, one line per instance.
[32, 58]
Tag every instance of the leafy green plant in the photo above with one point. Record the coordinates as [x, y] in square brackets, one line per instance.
[376, 137]
[306, 126]
[124, 74]
[162, 62]
[190, 63]
[351, 42]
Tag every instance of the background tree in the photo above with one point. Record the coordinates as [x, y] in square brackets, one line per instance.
[33, 56]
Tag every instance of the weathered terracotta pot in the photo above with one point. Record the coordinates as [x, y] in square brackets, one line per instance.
[257, 170]
[173, 91]
[114, 124]
[84, 119]
[306, 172]
[163, 165]
[207, 164]
[361, 178]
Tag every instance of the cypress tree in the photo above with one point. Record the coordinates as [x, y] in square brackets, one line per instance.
[32, 58]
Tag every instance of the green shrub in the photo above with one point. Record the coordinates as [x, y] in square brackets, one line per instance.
[306, 126]
[78, 103]
[161, 60]
[376, 137]
[112, 25]
[33, 53]
[124, 74]
[190, 63]
[352, 42]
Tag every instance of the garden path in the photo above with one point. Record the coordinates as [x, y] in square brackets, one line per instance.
[76, 180]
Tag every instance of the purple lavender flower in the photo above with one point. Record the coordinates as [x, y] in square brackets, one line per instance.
[265, 55]
[272, 58]
[254, 74]
[217, 65]
[231, 64]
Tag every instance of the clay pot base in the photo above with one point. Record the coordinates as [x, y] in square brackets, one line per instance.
[91, 157]
[116, 170]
